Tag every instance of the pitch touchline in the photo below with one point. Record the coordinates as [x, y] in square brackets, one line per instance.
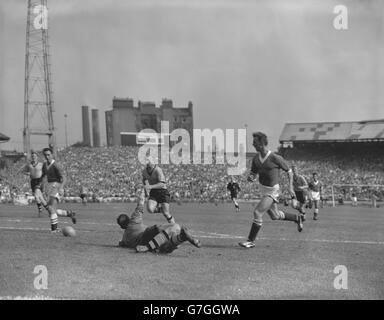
[33, 229]
[38, 221]
[27, 298]
[212, 235]
[229, 236]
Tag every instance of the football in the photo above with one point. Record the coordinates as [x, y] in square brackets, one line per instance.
[69, 231]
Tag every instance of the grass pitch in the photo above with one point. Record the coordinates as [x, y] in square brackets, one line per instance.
[285, 264]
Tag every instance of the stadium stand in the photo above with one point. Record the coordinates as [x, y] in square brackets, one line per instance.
[3, 138]
[111, 173]
[343, 153]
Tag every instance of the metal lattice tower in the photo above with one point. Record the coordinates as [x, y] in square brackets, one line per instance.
[38, 101]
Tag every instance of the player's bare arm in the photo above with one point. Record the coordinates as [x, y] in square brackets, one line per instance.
[253, 173]
[290, 183]
[141, 198]
[44, 177]
[63, 179]
[63, 182]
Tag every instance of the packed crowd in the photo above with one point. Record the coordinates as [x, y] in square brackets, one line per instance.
[113, 173]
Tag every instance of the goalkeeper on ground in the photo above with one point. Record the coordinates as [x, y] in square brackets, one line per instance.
[157, 238]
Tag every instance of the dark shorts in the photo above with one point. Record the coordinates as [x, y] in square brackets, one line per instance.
[148, 235]
[160, 195]
[300, 196]
[36, 184]
[233, 196]
[83, 196]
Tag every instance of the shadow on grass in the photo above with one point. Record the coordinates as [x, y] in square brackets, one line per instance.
[222, 246]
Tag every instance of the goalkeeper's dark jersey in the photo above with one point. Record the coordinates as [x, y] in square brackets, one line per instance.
[135, 229]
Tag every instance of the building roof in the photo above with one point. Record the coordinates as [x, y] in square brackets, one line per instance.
[333, 131]
[3, 138]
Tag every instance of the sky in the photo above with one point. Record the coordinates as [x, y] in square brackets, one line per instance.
[256, 63]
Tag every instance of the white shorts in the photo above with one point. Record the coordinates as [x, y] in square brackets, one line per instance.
[315, 195]
[53, 190]
[272, 192]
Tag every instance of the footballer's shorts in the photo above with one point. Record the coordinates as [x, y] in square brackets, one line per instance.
[148, 234]
[152, 232]
[160, 195]
[315, 195]
[233, 196]
[272, 192]
[53, 190]
[300, 196]
[36, 184]
[83, 196]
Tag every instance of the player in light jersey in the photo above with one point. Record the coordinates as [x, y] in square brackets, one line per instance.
[35, 171]
[158, 238]
[54, 188]
[177, 198]
[156, 188]
[316, 189]
[300, 187]
[267, 165]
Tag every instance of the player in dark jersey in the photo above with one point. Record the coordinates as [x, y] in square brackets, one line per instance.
[267, 165]
[202, 194]
[156, 188]
[234, 189]
[315, 189]
[300, 187]
[83, 195]
[157, 238]
[54, 188]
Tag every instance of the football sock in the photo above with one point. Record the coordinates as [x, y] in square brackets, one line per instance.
[158, 241]
[177, 239]
[170, 219]
[54, 221]
[255, 228]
